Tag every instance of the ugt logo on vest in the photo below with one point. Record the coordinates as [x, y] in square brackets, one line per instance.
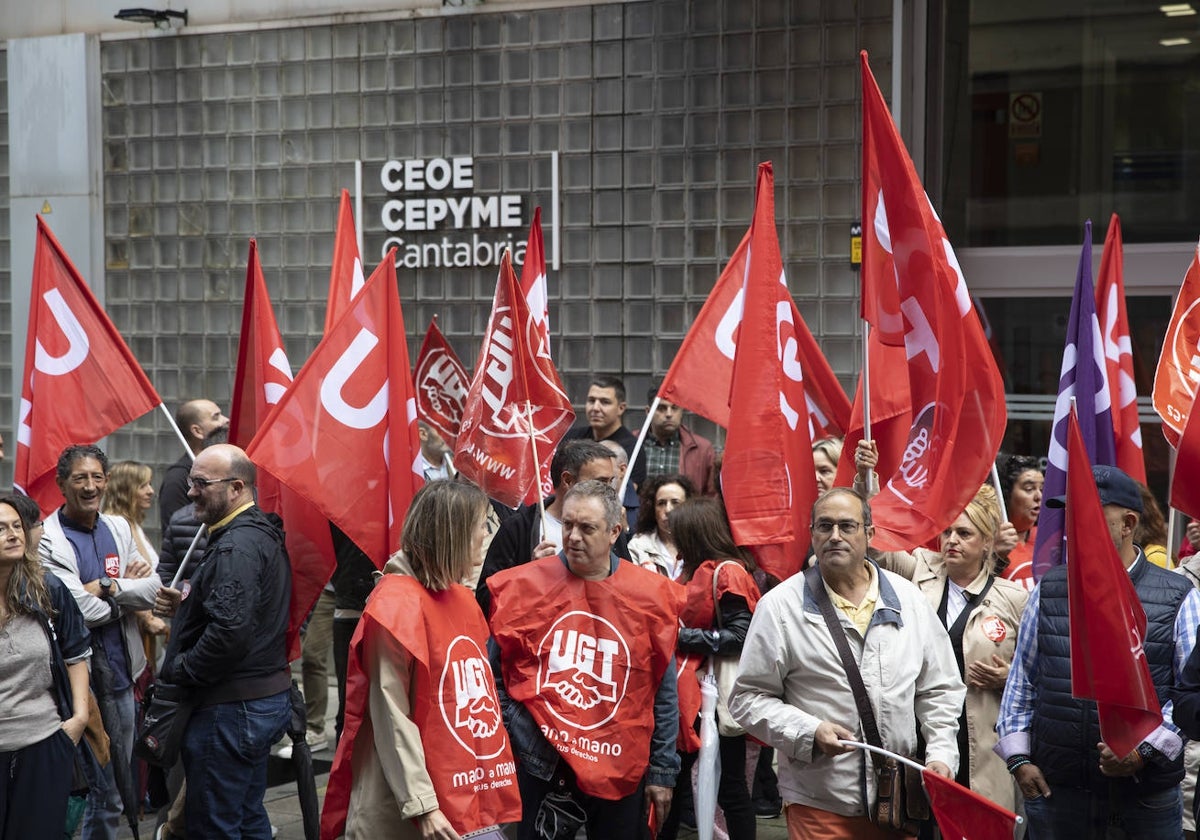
[474, 720]
[583, 670]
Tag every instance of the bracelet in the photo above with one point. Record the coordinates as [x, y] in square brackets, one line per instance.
[1018, 761]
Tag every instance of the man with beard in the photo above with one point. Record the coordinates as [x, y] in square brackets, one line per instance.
[202, 424]
[97, 557]
[228, 649]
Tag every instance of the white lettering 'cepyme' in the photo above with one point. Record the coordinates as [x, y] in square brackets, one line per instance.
[356, 417]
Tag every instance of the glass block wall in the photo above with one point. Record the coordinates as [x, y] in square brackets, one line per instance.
[660, 112]
[8, 383]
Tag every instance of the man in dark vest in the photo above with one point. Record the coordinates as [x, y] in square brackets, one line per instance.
[1073, 784]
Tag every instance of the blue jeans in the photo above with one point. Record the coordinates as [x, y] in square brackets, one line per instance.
[1072, 814]
[225, 751]
[102, 817]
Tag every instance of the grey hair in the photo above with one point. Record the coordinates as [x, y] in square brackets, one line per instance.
[614, 513]
[845, 491]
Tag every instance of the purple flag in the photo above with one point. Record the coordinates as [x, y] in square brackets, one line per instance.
[1085, 377]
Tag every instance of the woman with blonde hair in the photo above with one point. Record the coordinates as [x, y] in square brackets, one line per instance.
[422, 712]
[129, 494]
[43, 686]
[982, 613]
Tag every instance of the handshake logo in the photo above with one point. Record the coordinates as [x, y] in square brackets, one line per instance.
[475, 718]
[583, 669]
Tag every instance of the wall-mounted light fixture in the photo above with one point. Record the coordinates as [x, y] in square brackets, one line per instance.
[161, 18]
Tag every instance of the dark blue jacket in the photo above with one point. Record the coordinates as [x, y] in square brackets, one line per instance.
[1065, 731]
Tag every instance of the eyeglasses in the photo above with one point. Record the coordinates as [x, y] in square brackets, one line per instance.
[847, 527]
[202, 483]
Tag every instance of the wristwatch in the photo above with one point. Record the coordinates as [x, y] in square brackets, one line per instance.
[1146, 751]
[106, 583]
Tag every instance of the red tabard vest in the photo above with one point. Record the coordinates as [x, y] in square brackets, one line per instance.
[698, 612]
[454, 704]
[586, 658]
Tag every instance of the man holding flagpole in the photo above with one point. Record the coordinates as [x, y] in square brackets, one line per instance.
[1073, 783]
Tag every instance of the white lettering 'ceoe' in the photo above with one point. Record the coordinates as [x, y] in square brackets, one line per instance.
[356, 417]
[77, 340]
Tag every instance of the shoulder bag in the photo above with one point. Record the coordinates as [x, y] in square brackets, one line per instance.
[166, 710]
[900, 804]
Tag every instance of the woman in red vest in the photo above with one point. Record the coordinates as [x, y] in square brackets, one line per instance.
[424, 753]
[707, 549]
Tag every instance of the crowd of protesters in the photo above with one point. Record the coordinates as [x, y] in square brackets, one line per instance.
[540, 669]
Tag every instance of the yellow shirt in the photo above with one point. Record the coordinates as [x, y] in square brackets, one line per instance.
[859, 614]
[229, 518]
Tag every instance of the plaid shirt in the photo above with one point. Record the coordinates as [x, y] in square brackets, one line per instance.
[662, 459]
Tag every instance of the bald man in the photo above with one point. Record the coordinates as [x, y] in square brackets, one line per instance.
[202, 423]
[227, 649]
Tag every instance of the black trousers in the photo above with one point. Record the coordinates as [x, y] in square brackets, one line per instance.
[35, 783]
[605, 819]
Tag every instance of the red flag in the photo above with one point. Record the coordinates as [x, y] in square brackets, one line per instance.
[344, 436]
[1185, 490]
[494, 446]
[1108, 624]
[962, 813]
[441, 384]
[891, 412]
[536, 291]
[914, 294]
[262, 378]
[767, 478]
[699, 376]
[346, 276]
[80, 380]
[1179, 364]
[1118, 352]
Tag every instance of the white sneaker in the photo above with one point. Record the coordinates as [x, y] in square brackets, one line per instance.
[315, 744]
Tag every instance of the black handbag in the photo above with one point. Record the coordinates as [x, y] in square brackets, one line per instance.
[166, 710]
[900, 804]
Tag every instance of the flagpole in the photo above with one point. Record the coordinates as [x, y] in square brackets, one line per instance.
[916, 765]
[187, 555]
[871, 485]
[178, 433]
[637, 447]
[999, 493]
[537, 465]
[1172, 514]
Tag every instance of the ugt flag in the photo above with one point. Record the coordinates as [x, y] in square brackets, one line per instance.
[346, 276]
[1085, 377]
[80, 380]
[441, 384]
[1179, 364]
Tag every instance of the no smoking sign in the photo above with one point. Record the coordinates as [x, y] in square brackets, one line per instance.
[1024, 115]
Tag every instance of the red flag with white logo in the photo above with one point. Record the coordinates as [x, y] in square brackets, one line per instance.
[344, 436]
[441, 384]
[891, 412]
[1185, 490]
[346, 277]
[515, 385]
[700, 374]
[1179, 363]
[262, 378]
[537, 295]
[1118, 353]
[960, 812]
[1105, 614]
[80, 380]
[767, 477]
[914, 295]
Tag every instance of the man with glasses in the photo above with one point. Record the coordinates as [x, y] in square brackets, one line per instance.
[97, 557]
[228, 650]
[793, 694]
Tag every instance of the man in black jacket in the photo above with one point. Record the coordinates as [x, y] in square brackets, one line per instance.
[227, 646]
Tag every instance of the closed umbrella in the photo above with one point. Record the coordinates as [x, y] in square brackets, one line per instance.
[708, 763]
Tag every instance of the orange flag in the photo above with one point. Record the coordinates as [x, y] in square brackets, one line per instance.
[1179, 363]
[262, 378]
[80, 380]
[1118, 353]
[344, 436]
